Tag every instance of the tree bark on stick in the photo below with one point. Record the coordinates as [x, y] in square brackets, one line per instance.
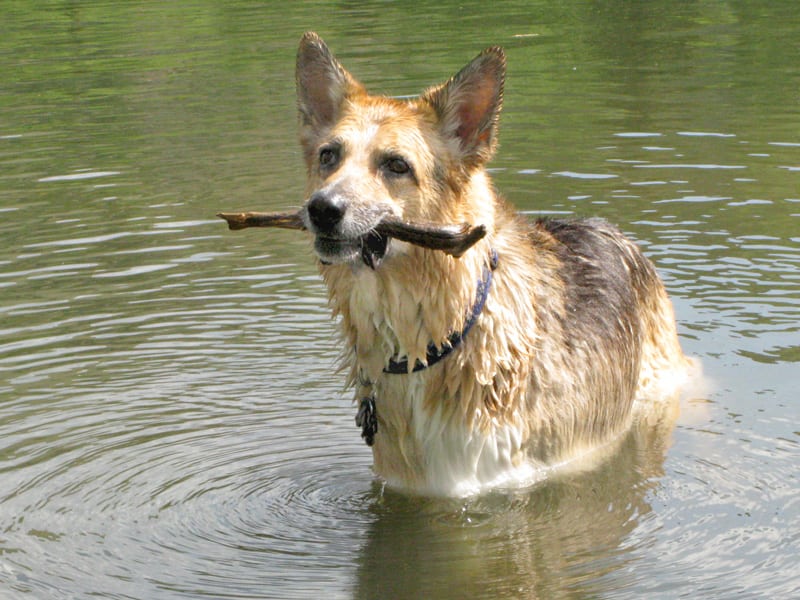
[451, 239]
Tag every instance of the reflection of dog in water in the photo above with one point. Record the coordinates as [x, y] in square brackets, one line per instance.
[575, 535]
[543, 342]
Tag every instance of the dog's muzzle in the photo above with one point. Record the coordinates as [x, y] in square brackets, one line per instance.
[343, 237]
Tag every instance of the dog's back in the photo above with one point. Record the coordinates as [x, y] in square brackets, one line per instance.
[533, 348]
[615, 329]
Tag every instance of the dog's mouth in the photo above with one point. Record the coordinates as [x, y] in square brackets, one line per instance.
[369, 248]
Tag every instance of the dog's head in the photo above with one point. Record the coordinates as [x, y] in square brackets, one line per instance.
[373, 156]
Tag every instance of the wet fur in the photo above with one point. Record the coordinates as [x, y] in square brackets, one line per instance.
[577, 337]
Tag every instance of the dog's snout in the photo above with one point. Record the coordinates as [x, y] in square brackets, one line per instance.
[324, 212]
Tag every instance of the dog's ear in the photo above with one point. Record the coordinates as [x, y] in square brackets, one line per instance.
[322, 85]
[468, 105]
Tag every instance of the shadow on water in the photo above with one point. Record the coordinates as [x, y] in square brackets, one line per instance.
[562, 538]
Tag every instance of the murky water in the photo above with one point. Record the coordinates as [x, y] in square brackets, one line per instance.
[171, 421]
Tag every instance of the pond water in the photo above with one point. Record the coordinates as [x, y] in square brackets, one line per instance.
[171, 421]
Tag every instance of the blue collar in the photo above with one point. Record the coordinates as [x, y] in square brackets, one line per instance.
[435, 354]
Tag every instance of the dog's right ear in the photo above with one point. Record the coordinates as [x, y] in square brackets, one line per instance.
[322, 86]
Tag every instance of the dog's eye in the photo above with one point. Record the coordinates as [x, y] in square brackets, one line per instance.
[396, 166]
[328, 156]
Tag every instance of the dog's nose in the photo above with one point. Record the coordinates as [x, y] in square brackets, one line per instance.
[324, 213]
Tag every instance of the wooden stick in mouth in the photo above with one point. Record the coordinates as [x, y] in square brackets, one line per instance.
[451, 239]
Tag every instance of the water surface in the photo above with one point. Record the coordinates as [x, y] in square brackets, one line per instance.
[172, 424]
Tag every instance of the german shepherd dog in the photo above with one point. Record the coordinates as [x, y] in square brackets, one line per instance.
[545, 341]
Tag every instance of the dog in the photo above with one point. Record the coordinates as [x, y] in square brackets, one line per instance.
[544, 342]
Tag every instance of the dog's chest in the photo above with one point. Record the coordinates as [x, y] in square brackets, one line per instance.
[425, 441]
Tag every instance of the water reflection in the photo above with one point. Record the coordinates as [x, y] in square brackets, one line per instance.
[569, 537]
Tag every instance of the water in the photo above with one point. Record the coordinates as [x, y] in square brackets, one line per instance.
[171, 421]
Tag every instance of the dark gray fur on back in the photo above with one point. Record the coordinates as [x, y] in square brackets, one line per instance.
[596, 267]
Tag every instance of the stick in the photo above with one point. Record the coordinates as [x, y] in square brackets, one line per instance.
[451, 239]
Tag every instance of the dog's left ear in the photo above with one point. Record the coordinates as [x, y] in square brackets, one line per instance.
[323, 85]
[468, 105]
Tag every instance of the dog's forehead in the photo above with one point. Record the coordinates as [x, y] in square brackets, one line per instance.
[380, 120]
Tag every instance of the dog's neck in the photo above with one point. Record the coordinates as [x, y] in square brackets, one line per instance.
[437, 353]
[415, 300]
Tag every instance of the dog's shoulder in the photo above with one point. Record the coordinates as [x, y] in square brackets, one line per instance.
[579, 235]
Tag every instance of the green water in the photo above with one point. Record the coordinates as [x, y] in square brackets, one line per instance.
[171, 421]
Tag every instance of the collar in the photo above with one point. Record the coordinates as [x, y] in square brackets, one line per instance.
[435, 354]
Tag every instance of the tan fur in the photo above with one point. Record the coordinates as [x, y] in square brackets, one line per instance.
[513, 400]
